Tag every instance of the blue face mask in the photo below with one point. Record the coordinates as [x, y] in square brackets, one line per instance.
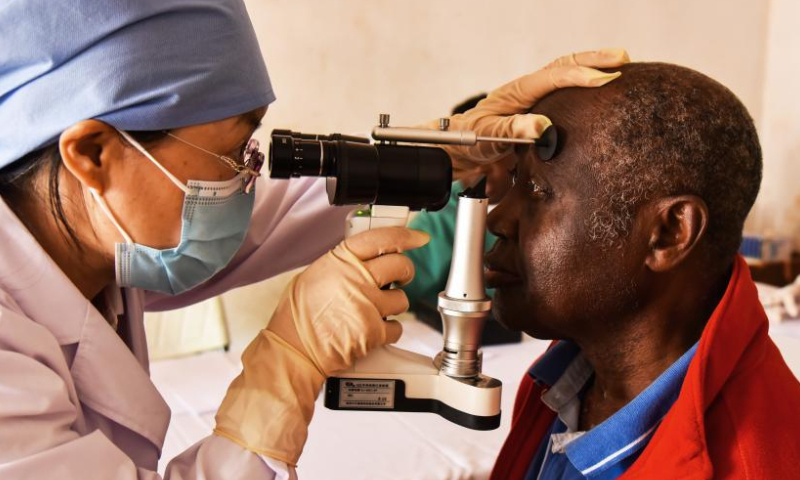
[215, 219]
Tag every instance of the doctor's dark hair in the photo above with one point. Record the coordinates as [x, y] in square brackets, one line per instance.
[18, 181]
[662, 130]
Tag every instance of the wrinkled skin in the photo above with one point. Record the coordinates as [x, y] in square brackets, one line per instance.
[633, 307]
[558, 280]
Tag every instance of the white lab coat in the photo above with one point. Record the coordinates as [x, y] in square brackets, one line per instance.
[76, 402]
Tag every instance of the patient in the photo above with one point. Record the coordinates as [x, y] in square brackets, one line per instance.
[623, 247]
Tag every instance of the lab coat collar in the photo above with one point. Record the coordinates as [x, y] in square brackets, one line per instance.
[38, 286]
[108, 377]
[110, 380]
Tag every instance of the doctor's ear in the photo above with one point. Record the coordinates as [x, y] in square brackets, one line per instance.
[675, 227]
[87, 148]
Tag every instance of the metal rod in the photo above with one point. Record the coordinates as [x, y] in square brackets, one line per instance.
[424, 135]
[452, 137]
[527, 141]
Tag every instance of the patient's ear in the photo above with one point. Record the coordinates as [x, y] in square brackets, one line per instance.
[676, 225]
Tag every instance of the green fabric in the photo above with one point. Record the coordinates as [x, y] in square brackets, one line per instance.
[432, 262]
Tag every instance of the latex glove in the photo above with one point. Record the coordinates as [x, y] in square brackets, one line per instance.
[329, 316]
[504, 112]
[783, 302]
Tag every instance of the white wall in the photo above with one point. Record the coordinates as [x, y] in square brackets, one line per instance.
[778, 207]
[336, 64]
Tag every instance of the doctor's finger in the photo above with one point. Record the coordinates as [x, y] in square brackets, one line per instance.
[526, 125]
[391, 302]
[523, 93]
[391, 268]
[603, 58]
[373, 243]
[393, 331]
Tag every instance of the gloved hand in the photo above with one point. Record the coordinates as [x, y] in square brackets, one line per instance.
[783, 302]
[504, 113]
[329, 316]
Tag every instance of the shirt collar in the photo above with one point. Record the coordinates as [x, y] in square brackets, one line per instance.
[625, 432]
[552, 364]
[564, 397]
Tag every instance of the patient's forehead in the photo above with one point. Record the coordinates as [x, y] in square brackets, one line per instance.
[577, 114]
[576, 109]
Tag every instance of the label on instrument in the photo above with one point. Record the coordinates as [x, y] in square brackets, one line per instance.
[377, 394]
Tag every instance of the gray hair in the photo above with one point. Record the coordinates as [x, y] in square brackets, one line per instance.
[670, 130]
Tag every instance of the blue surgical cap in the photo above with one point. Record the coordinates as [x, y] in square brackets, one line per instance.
[135, 64]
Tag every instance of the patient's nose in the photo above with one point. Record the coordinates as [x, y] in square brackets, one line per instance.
[503, 219]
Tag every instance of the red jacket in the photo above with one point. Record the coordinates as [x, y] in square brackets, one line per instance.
[737, 415]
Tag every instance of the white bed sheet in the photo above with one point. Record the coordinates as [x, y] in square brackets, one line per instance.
[355, 445]
[369, 445]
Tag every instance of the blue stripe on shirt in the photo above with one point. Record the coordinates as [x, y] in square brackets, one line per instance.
[607, 450]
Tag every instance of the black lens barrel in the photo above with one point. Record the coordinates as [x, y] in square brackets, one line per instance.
[418, 177]
[361, 173]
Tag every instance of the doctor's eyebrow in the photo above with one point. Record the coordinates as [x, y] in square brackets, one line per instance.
[252, 118]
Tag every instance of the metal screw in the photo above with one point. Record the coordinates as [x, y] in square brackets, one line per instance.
[444, 123]
[383, 120]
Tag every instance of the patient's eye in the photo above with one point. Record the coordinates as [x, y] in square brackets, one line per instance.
[532, 187]
[535, 189]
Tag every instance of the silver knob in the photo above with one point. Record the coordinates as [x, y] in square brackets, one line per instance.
[444, 123]
[383, 120]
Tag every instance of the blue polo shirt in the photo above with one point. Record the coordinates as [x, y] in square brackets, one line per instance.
[609, 449]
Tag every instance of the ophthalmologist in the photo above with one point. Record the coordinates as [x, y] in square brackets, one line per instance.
[129, 183]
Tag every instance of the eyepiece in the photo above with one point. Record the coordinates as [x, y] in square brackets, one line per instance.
[297, 155]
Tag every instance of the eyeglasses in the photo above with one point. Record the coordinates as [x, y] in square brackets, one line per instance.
[252, 160]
